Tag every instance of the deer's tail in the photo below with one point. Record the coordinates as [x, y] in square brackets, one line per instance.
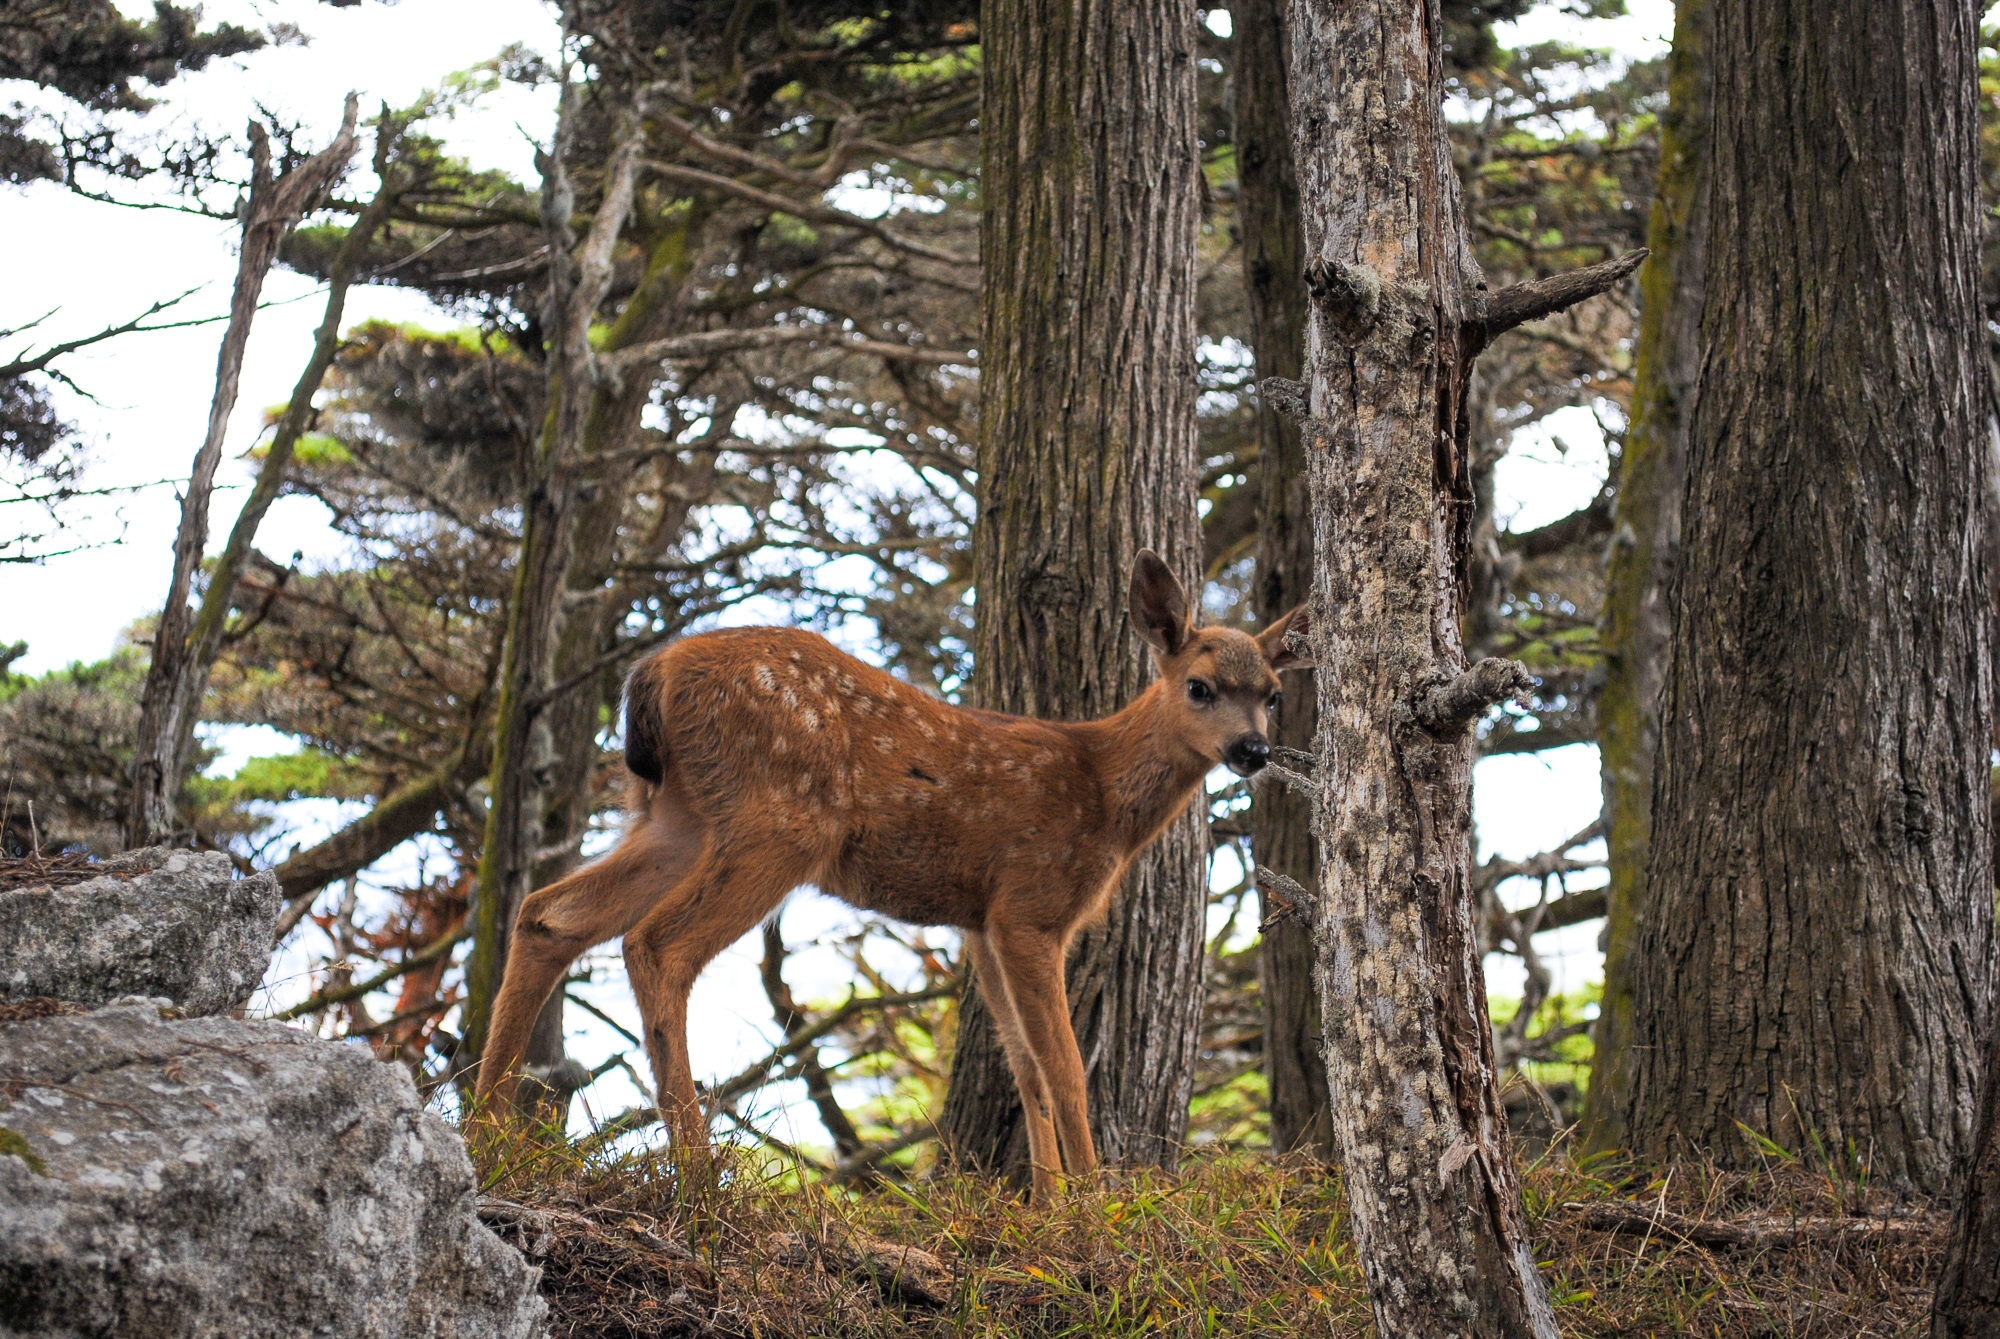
[645, 732]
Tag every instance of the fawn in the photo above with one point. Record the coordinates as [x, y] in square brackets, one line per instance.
[764, 758]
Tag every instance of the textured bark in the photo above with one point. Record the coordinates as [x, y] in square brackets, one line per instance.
[1967, 1304]
[1398, 309]
[1087, 455]
[175, 679]
[1267, 212]
[1815, 954]
[1645, 538]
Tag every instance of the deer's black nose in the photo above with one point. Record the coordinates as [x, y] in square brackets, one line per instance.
[1247, 754]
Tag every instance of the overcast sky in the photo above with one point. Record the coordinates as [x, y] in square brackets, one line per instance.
[96, 264]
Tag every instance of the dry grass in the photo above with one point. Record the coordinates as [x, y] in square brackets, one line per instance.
[1230, 1245]
[47, 871]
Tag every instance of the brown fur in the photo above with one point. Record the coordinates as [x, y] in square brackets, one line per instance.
[784, 761]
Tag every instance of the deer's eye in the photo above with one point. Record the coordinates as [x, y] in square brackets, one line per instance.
[1200, 693]
[1277, 700]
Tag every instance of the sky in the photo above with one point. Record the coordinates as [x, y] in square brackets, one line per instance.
[98, 263]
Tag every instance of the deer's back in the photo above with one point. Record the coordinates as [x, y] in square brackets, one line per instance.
[899, 802]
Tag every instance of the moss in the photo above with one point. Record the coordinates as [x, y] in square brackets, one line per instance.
[14, 1145]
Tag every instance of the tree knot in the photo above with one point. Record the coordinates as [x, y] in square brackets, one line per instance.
[1292, 400]
[1348, 295]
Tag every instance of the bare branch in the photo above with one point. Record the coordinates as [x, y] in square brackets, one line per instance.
[810, 212]
[709, 343]
[423, 957]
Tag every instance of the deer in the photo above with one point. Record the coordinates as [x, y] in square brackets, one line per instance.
[765, 758]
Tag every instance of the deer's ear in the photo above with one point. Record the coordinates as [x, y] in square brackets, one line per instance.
[1279, 651]
[1159, 605]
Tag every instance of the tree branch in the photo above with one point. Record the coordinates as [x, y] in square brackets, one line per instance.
[1520, 303]
[709, 343]
[810, 213]
[423, 957]
[1449, 703]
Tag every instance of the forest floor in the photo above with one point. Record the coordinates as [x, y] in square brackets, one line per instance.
[1230, 1245]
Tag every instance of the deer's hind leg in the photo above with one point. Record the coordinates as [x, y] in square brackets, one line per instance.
[722, 897]
[559, 923]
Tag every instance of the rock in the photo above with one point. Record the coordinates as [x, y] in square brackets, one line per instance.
[181, 1177]
[155, 923]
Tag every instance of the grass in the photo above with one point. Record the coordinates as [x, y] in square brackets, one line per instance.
[1230, 1244]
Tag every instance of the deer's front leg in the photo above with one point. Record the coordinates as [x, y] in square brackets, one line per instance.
[1032, 961]
[1044, 1150]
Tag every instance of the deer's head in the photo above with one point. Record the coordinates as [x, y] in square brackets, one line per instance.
[1221, 684]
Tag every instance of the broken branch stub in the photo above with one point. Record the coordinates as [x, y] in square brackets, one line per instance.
[1446, 704]
[1517, 304]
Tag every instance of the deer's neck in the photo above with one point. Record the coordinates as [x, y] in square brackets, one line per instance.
[1148, 775]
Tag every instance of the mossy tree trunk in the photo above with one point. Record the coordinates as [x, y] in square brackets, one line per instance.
[1645, 538]
[1087, 455]
[1815, 952]
[1281, 839]
[1398, 312]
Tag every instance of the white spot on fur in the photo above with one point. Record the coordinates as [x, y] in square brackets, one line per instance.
[810, 717]
[767, 680]
[884, 743]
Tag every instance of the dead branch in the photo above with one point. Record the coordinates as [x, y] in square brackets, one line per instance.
[1750, 1234]
[423, 957]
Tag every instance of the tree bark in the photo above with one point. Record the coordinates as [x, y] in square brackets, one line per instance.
[1816, 950]
[1645, 539]
[1087, 455]
[1267, 211]
[1967, 1302]
[1398, 311]
[175, 678]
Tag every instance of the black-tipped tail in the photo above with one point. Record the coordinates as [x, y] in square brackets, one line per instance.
[645, 741]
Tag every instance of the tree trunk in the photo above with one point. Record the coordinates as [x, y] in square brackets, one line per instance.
[1816, 951]
[1087, 455]
[1967, 1304]
[1398, 311]
[527, 752]
[1645, 537]
[176, 677]
[1267, 211]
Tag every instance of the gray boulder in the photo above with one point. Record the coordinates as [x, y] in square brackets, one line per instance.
[182, 1177]
[158, 922]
